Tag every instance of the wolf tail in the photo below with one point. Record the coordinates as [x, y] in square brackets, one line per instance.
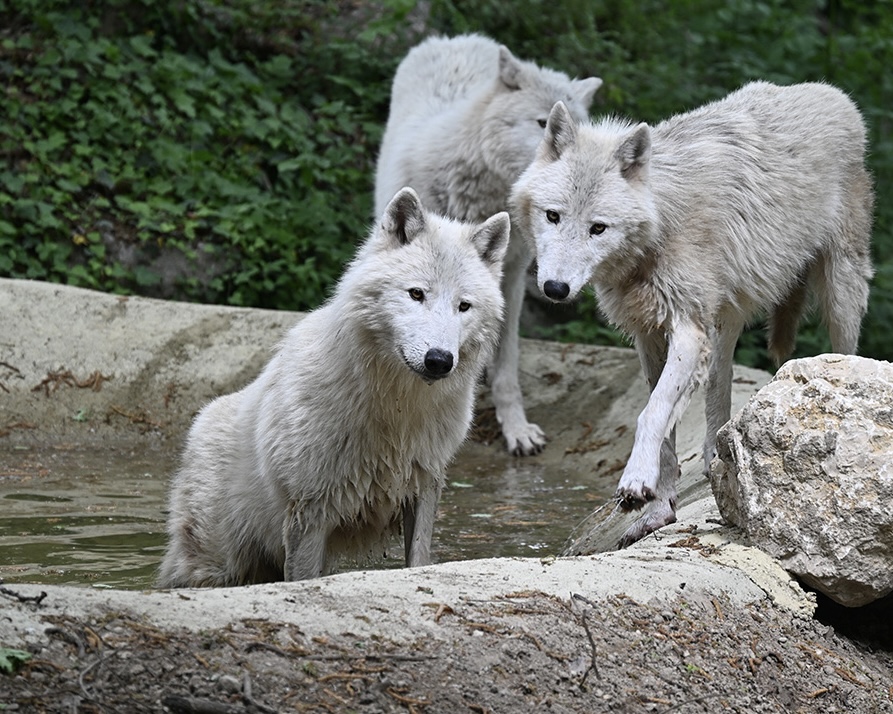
[783, 322]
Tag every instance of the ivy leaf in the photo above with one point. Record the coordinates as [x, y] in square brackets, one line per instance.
[11, 660]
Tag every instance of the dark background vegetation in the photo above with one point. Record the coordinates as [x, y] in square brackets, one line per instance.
[224, 150]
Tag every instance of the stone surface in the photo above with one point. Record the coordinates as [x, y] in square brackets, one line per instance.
[81, 366]
[805, 469]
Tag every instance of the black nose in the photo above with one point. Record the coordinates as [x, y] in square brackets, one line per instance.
[438, 363]
[555, 290]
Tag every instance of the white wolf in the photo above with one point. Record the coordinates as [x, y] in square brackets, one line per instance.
[353, 422]
[465, 119]
[688, 230]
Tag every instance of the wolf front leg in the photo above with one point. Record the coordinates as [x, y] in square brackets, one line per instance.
[419, 513]
[305, 547]
[522, 438]
[673, 366]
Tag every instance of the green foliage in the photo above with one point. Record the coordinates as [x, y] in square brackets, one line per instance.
[241, 135]
[580, 322]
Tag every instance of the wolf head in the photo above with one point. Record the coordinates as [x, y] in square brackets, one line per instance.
[585, 203]
[513, 120]
[426, 289]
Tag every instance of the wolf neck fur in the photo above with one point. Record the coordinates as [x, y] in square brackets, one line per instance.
[478, 186]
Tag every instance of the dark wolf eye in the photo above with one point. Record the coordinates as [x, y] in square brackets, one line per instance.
[417, 294]
[464, 306]
[552, 216]
[596, 229]
[542, 123]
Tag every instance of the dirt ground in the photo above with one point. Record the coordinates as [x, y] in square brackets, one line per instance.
[615, 655]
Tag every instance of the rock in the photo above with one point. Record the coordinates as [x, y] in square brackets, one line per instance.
[805, 469]
[77, 365]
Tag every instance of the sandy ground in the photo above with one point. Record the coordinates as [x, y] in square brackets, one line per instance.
[692, 620]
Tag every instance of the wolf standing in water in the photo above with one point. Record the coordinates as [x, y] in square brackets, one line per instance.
[690, 229]
[465, 119]
[353, 423]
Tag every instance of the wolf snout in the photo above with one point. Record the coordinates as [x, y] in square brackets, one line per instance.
[556, 290]
[438, 363]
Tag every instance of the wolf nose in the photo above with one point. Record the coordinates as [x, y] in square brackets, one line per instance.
[555, 290]
[438, 363]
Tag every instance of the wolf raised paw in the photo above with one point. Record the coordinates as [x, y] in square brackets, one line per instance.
[634, 491]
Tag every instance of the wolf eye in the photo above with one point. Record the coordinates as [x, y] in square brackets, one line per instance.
[464, 306]
[542, 123]
[417, 294]
[596, 229]
[552, 216]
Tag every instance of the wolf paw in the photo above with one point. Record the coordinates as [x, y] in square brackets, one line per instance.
[633, 498]
[527, 440]
[660, 514]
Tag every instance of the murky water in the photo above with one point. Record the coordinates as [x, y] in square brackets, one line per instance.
[96, 517]
[82, 517]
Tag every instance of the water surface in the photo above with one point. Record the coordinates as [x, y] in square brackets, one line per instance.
[95, 517]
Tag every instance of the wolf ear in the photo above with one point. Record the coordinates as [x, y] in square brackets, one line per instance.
[491, 239]
[585, 89]
[634, 152]
[404, 218]
[561, 132]
[510, 68]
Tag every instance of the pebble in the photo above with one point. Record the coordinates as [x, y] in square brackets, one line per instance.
[229, 684]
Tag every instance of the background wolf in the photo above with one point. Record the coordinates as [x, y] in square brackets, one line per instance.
[465, 119]
[688, 230]
[354, 420]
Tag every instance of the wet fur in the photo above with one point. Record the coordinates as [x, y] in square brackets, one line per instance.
[346, 434]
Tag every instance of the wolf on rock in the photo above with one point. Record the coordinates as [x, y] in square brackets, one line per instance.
[692, 228]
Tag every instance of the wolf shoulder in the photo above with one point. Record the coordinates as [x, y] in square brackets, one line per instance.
[442, 71]
[816, 106]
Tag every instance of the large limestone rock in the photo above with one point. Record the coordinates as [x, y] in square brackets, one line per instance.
[806, 470]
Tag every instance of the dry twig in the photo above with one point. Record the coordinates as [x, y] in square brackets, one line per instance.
[593, 667]
[36, 599]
